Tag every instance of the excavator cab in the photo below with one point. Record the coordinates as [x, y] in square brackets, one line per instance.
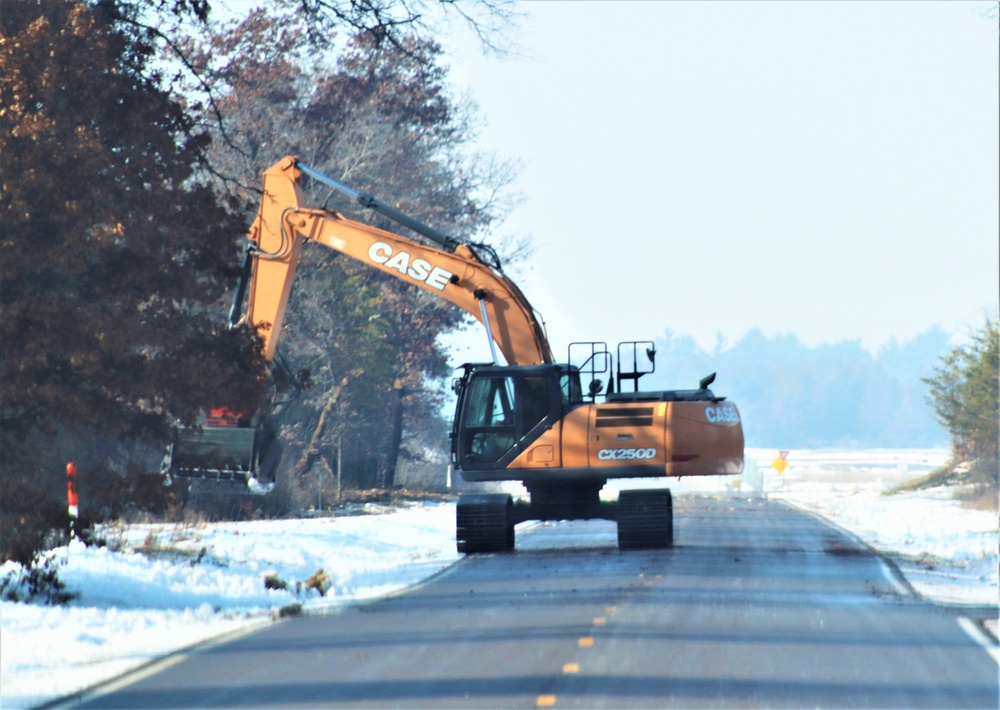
[530, 419]
[502, 410]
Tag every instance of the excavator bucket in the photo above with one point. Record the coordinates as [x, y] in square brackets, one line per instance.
[217, 453]
[224, 448]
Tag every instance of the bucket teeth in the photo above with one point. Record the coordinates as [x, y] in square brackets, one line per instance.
[221, 453]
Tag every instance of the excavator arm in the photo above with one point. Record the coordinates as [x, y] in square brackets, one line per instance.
[452, 271]
[527, 420]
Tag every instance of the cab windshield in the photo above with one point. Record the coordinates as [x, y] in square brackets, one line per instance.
[500, 409]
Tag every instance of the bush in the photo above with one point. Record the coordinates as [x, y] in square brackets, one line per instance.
[31, 523]
[964, 394]
[31, 519]
[106, 494]
[38, 581]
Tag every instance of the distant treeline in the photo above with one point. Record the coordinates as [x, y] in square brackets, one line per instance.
[794, 396]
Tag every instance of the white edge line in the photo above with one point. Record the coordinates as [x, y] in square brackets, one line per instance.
[155, 665]
[117, 684]
[979, 636]
[890, 571]
[891, 575]
[172, 658]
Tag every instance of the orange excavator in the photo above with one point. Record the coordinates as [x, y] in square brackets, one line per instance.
[530, 419]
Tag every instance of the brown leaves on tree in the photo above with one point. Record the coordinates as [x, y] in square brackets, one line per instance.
[115, 255]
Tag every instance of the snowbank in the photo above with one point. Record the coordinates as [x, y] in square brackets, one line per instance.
[171, 586]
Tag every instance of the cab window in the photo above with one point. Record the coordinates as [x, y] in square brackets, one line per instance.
[490, 425]
[535, 401]
[569, 386]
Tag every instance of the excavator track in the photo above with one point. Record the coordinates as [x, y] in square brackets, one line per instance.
[484, 523]
[645, 519]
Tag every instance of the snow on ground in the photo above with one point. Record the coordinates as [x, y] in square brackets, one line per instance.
[159, 588]
[946, 551]
[167, 587]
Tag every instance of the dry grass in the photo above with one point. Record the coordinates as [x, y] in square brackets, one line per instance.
[943, 476]
[978, 498]
[392, 495]
[967, 487]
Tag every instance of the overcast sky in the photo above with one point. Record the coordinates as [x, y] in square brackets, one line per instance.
[825, 169]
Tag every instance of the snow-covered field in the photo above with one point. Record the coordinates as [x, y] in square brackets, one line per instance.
[948, 552]
[159, 588]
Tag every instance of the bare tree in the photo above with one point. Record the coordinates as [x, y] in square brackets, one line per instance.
[381, 119]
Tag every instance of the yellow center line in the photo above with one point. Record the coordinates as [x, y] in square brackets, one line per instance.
[571, 668]
[586, 641]
[545, 701]
[600, 621]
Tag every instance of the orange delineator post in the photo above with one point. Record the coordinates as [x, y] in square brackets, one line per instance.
[71, 497]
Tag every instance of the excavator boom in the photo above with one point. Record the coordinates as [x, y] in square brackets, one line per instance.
[452, 270]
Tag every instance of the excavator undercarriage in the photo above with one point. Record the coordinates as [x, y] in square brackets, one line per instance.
[485, 521]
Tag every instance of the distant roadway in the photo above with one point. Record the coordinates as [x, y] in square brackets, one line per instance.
[757, 605]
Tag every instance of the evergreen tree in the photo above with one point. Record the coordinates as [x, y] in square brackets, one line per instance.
[964, 394]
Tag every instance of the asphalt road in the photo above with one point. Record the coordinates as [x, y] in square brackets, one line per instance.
[757, 605]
